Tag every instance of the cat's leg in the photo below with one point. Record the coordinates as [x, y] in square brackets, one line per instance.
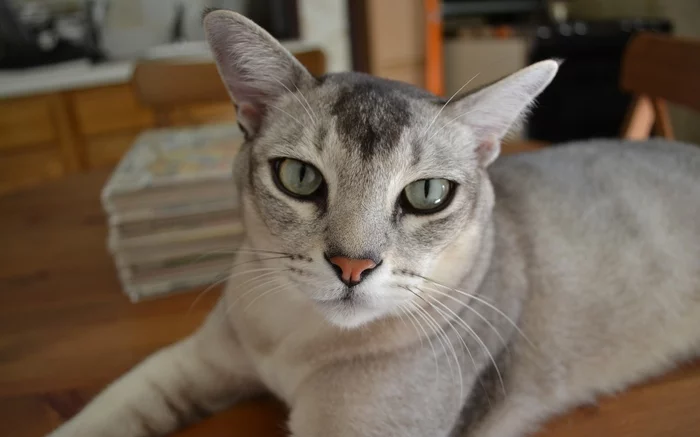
[177, 385]
[514, 416]
[382, 397]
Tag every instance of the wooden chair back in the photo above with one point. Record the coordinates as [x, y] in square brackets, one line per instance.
[189, 89]
[655, 69]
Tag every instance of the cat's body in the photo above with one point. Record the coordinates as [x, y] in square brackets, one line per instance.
[373, 313]
[611, 246]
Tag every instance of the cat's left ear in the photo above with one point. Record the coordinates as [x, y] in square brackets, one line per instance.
[492, 111]
[255, 67]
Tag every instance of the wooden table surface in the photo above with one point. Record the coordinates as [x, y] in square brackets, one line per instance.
[66, 330]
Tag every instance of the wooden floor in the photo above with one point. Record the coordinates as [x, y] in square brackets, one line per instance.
[66, 330]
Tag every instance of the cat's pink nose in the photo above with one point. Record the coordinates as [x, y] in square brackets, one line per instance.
[350, 270]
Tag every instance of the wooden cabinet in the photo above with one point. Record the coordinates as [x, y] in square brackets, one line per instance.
[107, 119]
[109, 109]
[30, 166]
[48, 136]
[202, 114]
[26, 122]
[104, 151]
[36, 142]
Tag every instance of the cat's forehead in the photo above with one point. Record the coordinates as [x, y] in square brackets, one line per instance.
[369, 114]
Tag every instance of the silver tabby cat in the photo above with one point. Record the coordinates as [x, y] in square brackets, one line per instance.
[395, 283]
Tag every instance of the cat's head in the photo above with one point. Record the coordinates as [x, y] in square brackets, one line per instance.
[368, 183]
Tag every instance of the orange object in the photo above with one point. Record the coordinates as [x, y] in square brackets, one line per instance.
[434, 66]
[503, 32]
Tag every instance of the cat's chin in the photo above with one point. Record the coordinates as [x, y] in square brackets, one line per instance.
[348, 314]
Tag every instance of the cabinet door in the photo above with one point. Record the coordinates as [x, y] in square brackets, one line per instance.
[29, 166]
[25, 122]
[193, 115]
[108, 120]
[35, 141]
[109, 109]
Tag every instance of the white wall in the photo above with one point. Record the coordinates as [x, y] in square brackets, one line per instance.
[326, 23]
[138, 24]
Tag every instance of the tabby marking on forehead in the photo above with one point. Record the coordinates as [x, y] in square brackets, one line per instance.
[370, 117]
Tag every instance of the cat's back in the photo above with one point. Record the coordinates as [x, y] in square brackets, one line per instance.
[602, 184]
[610, 232]
[586, 167]
[604, 201]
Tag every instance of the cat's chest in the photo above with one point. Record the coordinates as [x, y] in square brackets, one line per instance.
[275, 338]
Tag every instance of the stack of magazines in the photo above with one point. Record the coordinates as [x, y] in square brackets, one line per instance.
[173, 210]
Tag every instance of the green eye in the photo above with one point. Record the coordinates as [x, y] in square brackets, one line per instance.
[297, 178]
[427, 195]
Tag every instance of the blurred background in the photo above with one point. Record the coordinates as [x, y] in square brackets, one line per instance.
[67, 102]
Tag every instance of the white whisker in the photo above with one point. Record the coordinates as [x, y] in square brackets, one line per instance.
[288, 114]
[449, 123]
[245, 251]
[473, 333]
[264, 269]
[243, 262]
[297, 99]
[420, 311]
[264, 275]
[477, 313]
[447, 341]
[427, 337]
[201, 294]
[279, 288]
[307, 102]
[438, 331]
[425, 131]
[257, 286]
[400, 317]
[485, 302]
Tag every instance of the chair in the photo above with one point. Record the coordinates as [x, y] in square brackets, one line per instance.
[656, 69]
[190, 91]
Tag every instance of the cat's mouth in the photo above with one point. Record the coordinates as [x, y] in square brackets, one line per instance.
[346, 311]
[348, 298]
[351, 307]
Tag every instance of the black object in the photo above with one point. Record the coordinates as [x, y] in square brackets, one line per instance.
[176, 29]
[480, 8]
[24, 44]
[584, 100]
[279, 17]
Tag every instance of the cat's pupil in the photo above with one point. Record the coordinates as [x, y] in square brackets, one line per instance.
[302, 173]
[426, 188]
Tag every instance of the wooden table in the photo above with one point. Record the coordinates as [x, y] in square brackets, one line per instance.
[66, 329]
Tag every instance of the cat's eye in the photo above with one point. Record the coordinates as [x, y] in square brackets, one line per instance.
[427, 195]
[297, 178]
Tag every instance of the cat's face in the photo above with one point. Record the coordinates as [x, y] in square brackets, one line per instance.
[368, 184]
[361, 175]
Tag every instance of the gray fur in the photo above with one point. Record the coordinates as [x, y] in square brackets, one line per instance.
[566, 274]
[369, 117]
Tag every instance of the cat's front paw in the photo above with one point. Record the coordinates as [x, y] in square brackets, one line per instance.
[71, 429]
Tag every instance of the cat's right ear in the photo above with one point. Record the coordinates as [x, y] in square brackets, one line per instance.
[255, 68]
[491, 111]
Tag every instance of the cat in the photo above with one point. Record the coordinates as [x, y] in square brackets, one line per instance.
[399, 280]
